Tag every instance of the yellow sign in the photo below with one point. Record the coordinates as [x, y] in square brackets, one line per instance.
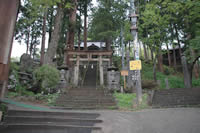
[124, 72]
[135, 65]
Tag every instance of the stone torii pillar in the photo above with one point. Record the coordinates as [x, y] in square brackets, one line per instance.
[101, 70]
[76, 71]
[8, 13]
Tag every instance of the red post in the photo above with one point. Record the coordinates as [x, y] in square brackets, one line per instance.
[8, 14]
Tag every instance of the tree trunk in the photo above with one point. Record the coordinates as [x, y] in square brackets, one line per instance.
[43, 38]
[177, 37]
[154, 69]
[85, 25]
[145, 52]
[174, 56]
[27, 43]
[187, 73]
[71, 31]
[50, 24]
[152, 57]
[79, 39]
[160, 61]
[79, 33]
[195, 68]
[51, 51]
[31, 46]
[169, 57]
[72, 26]
[108, 44]
[140, 46]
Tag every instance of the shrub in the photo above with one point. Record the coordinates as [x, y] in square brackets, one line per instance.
[14, 66]
[46, 76]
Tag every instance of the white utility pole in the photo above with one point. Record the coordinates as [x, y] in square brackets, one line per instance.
[136, 77]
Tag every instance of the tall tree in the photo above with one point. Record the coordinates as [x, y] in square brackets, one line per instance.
[51, 51]
[106, 20]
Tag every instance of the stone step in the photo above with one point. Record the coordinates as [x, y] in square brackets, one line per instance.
[176, 97]
[50, 120]
[85, 101]
[74, 107]
[84, 104]
[86, 96]
[83, 98]
[179, 94]
[47, 128]
[53, 114]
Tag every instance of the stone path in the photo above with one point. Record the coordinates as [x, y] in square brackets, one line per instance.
[172, 120]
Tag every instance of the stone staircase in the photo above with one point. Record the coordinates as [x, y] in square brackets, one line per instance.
[176, 98]
[87, 96]
[21, 121]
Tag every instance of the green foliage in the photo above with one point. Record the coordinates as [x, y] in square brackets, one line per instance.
[196, 82]
[117, 61]
[106, 20]
[126, 101]
[14, 66]
[22, 91]
[3, 108]
[169, 21]
[46, 76]
[50, 98]
[27, 95]
[29, 25]
[175, 78]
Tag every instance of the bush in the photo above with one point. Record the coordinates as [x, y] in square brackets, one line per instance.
[125, 101]
[196, 82]
[168, 70]
[46, 76]
[14, 66]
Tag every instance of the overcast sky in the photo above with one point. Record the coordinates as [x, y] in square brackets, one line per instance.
[19, 49]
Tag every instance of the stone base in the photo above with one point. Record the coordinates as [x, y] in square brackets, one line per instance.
[1, 114]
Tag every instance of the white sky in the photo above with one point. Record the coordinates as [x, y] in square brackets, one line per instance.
[19, 49]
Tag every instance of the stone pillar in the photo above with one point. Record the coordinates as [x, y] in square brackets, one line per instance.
[76, 71]
[8, 13]
[101, 71]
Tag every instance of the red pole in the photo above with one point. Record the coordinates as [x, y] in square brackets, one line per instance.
[8, 13]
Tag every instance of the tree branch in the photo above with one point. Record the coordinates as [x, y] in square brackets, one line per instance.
[193, 63]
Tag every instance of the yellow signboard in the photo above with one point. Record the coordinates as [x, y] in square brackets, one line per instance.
[124, 72]
[135, 65]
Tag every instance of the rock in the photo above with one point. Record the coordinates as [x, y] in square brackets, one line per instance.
[12, 82]
[26, 63]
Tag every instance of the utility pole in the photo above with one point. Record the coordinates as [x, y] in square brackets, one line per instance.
[136, 77]
[122, 41]
[123, 49]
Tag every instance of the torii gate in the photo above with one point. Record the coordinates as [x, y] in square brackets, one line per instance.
[8, 14]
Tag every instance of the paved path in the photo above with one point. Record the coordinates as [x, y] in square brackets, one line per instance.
[174, 120]
[171, 120]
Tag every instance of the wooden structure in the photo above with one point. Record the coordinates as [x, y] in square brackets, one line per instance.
[80, 56]
[8, 13]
